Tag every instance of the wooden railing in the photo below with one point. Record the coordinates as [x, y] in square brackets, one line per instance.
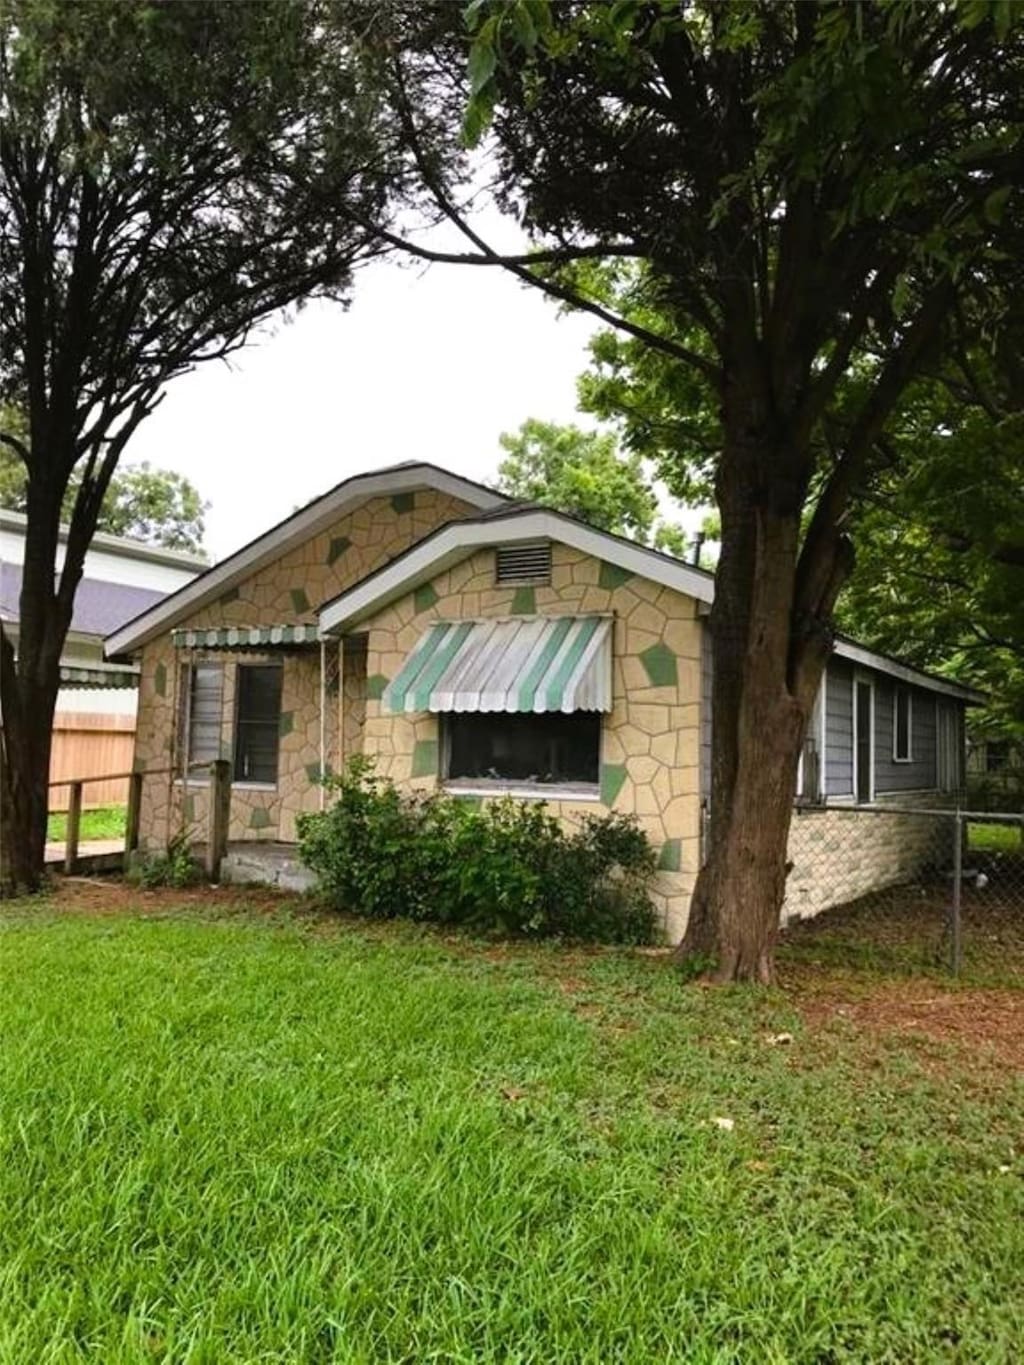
[218, 815]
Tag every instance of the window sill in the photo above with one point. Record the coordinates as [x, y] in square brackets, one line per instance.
[235, 786]
[524, 791]
[908, 759]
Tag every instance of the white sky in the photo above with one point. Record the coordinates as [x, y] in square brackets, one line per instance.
[428, 363]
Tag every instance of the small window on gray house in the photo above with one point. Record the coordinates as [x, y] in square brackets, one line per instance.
[202, 700]
[523, 563]
[523, 750]
[997, 755]
[902, 714]
[257, 722]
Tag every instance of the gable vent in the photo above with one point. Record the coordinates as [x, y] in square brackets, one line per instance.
[523, 563]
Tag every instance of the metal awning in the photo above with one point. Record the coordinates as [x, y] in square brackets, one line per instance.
[245, 637]
[98, 675]
[537, 663]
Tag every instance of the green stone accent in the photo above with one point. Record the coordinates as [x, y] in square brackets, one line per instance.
[226, 598]
[613, 776]
[313, 772]
[160, 679]
[524, 602]
[470, 802]
[139, 765]
[660, 665]
[424, 758]
[337, 547]
[375, 685]
[190, 808]
[671, 857]
[300, 602]
[612, 577]
[403, 502]
[286, 724]
[260, 818]
[424, 597]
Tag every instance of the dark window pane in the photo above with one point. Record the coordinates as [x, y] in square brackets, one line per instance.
[524, 748]
[257, 722]
[902, 723]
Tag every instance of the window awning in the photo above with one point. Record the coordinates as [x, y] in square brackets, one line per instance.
[98, 675]
[552, 663]
[245, 637]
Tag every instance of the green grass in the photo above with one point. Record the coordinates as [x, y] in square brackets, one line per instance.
[259, 1138]
[105, 822]
[992, 838]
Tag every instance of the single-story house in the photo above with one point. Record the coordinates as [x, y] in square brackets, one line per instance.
[468, 642]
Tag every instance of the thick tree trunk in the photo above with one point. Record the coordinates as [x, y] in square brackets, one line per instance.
[24, 778]
[766, 671]
[28, 690]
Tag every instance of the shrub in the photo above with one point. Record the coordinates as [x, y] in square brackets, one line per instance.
[505, 866]
[178, 867]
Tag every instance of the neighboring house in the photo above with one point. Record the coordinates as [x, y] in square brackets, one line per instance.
[484, 646]
[995, 772]
[95, 713]
[121, 578]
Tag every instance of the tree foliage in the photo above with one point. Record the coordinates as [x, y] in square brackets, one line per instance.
[172, 176]
[583, 474]
[159, 506]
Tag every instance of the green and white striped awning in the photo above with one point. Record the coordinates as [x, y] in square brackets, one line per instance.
[245, 637]
[98, 675]
[560, 663]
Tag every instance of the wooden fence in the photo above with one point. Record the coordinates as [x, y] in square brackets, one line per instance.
[86, 746]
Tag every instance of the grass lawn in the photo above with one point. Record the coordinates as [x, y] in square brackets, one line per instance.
[105, 822]
[244, 1133]
[995, 838]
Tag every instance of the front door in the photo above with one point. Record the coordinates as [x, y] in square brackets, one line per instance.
[864, 739]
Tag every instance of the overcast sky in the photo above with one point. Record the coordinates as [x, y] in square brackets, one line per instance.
[426, 364]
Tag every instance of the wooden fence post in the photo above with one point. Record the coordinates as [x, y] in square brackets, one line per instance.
[74, 821]
[131, 826]
[220, 814]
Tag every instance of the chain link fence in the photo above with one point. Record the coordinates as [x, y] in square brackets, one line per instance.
[937, 878]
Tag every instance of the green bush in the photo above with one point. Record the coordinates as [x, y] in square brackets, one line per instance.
[505, 866]
[178, 867]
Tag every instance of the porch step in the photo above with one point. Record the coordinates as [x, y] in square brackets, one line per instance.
[266, 864]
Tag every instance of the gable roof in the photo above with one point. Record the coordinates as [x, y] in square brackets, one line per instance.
[307, 522]
[511, 524]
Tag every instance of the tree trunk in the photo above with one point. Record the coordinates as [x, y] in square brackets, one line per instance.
[766, 672]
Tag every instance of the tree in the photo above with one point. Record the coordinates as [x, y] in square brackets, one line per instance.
[172, 175]
[159, 506]
[808, 191]
[583, 474]
[940, 567]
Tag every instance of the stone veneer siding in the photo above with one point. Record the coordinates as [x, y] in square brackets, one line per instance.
[287, 591]
[650, 739]
[839, 855]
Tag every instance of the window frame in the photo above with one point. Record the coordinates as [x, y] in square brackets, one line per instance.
[239, 723]
[187, 713]
[902, 690]
[519, 788]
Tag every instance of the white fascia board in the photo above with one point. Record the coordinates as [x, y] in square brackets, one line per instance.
[880, 663]
[451, 544]
[296, 529]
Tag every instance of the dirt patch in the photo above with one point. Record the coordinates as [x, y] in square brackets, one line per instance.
[112, 896]
[988, 1023]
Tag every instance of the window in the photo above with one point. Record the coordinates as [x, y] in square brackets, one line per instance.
[902, 720]
[523, 563]
[257, 722]
[548, 749]
[202, 698]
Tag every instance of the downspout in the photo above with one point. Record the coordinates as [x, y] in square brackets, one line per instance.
[323, 717]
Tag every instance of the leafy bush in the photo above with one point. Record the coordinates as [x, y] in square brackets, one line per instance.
[178, 867]
[507, 865]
